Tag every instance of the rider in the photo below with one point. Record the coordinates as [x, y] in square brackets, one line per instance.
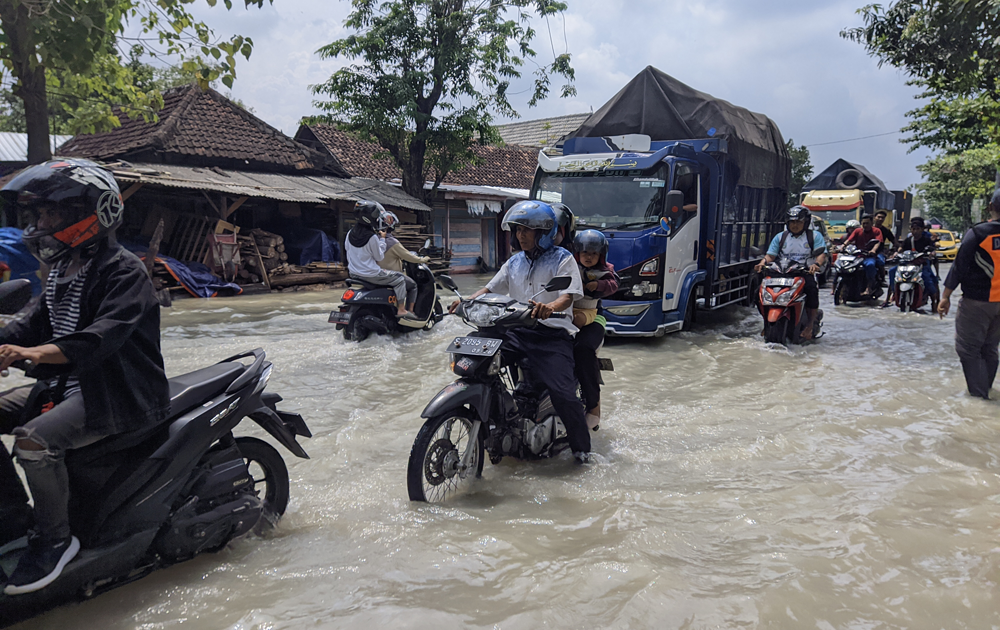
[396, 254]
[549, 347]
[599, 281]
[565, 226]
[917, 241]
[366, 247]
[876, 262]
[804, 246]
[887, 236]
[99, 320]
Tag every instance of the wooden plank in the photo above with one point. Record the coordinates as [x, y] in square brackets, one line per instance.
[131, 190]
[263, 269]
[236, 206]
[212, 203]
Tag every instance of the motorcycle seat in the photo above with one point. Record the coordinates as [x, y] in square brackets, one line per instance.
[194, 388]
[363, 284]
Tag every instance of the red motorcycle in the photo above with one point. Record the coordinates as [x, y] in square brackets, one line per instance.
[782, 302]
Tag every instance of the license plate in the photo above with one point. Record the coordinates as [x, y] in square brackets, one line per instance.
[337, 317]
[474, 346]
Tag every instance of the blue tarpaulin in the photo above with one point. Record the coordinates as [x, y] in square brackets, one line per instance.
[197, 278]
[22, 264]
[307, 245]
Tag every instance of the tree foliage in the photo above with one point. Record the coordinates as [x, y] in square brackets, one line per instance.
[802, 170]
[72, 48]
[430, 74]
[955, 181]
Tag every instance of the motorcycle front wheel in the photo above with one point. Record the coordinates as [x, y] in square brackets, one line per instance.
[777, 332]
[433, 474]
[270, 479]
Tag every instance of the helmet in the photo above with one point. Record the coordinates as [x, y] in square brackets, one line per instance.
[565, 221]
[592, 241]
[853, 224]
[391, 221]
[799, 213]
[78, 202]
[372, 214]
[534, 215]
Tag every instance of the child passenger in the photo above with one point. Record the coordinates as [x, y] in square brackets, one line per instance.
[599, 281]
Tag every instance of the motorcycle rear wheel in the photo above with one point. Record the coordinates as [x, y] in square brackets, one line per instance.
[777, 332]
[432, 472]
[270, 479]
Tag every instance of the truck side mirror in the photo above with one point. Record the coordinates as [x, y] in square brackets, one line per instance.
[674, 205]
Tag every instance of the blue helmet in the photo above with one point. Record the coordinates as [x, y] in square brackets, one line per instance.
[534, 215]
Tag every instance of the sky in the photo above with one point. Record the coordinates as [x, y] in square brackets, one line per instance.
[782, 58]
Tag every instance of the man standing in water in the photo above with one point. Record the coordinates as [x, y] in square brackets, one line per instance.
[977, 323]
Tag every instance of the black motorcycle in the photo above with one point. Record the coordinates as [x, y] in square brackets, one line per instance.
[146, 500]
[492, 408]
[370, 308]
[851, 281]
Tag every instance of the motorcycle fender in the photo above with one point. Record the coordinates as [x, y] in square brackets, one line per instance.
[458, 394]
[273, 424]
[775, 314]
[905, 286]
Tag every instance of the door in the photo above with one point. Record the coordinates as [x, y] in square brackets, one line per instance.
[685, 231]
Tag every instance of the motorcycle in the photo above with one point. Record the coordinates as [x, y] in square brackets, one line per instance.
[851, 281]
[782, 302]
[910, 293]
[491, 408]
[146, 500]
[368, 308]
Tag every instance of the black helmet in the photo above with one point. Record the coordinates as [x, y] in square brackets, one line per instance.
[592, 241]
[799, 213]
[78, 202]
[565, 221]
[372, 214]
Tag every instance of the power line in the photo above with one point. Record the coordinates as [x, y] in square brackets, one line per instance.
[878, 135]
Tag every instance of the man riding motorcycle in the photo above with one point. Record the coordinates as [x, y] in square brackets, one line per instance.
[805, 246]
[99, 320]
[917, 241]
[547, 348]
[875, 263]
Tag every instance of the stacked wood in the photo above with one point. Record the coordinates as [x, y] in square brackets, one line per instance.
[413, 238]
[263, 259]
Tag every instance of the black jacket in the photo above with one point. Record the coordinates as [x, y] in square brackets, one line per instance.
[115, 351]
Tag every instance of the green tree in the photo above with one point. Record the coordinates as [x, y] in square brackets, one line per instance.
[430, 75]
[955, 181]
[71, 46]
[802, 170]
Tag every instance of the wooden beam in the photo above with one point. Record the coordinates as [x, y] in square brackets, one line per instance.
[236, 206]
[212, 203]
[131, 190]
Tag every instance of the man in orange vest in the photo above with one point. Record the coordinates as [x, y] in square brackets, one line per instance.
[977, 323]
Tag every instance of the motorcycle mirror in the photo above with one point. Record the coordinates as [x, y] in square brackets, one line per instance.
[448, 283]
[14, 295]
[558, 283]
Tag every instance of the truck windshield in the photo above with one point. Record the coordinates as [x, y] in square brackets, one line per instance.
[622, 200]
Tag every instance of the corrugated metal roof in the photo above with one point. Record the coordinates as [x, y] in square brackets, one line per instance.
[296, 188]
[544, 132]
[14, 146]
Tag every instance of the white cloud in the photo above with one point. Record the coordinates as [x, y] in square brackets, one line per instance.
[784, 58]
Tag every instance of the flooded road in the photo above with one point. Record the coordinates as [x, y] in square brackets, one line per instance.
[848, 484]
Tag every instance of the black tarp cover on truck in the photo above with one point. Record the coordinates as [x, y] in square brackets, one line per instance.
[827, 180]
[661, 107]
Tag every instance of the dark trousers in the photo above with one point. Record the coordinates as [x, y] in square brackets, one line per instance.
[977, 335]
[548, 354]
[588, 368]
[58, 430]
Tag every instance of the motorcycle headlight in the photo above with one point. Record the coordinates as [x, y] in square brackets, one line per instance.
[766, 299]
[482, 314]
[784, 298]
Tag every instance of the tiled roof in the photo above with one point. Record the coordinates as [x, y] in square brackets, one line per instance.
[544, 132]
[507, 167]
[202, 128]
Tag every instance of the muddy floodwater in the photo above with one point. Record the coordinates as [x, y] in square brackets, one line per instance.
[848, 484]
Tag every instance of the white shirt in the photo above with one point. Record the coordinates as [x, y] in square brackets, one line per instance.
[363, 261]
[521, 278]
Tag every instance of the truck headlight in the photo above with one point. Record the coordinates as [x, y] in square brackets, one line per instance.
[650, 267]
[628, 310]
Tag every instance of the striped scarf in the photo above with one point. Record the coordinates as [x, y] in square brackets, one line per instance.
[64, 313]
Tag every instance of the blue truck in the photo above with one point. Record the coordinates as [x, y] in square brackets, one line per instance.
[688, 189]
